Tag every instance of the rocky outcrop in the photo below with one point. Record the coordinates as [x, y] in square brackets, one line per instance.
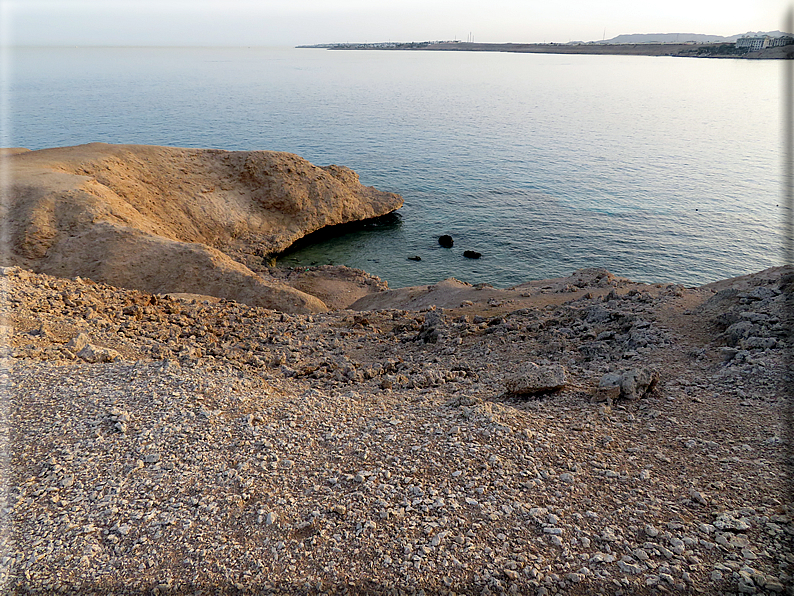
[163, 219]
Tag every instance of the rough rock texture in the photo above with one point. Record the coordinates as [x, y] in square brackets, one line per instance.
[537, 379]
[235, 449]
[629, 384]
[162, 219]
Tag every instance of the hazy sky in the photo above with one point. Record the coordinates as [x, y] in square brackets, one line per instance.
[292, 22]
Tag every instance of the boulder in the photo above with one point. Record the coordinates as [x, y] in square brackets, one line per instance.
[630, 384]
[471, 254]
[446, 241]
[537, 379]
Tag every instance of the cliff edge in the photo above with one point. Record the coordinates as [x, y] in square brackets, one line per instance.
[172, 220]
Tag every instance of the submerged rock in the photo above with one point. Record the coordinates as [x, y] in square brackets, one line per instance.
[446, 241]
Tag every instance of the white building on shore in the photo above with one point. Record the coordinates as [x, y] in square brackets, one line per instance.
[752, 44]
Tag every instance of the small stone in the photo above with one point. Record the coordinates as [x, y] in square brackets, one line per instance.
[748, 555]
[608, 535]
[339, 509]
[746, 586]
[774, 585]
[96, 355]
[630, 568]
[151, 458]
[667, 578]
[631, 384]
[651, 531]
[727, 522]
[78, 342]
[271, 518]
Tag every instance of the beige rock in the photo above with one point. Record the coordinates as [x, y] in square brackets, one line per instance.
[96, 354]
[163, 219]
[78, 342]
[537, 379]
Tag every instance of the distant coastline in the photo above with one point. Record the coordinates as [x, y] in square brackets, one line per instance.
[686, 50]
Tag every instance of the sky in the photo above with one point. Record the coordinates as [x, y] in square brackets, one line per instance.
[295, 22]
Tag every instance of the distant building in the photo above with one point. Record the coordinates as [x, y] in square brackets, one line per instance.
[752, 44]
[785, 40]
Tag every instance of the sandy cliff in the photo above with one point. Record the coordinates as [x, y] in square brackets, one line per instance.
[163, 219]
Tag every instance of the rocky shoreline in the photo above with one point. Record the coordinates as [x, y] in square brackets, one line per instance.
[450, 439]
[684, 50]
[167, 219]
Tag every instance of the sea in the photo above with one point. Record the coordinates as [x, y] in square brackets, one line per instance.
[659, 169]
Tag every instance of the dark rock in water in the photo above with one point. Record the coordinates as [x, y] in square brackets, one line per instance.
[415, 258]
[446, 241]
[471, 254]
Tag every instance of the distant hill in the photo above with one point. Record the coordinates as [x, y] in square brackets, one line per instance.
[685, 37]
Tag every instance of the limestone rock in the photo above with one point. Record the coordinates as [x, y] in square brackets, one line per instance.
[96, 354]
[630, 384]
[78, 342]
[164, 219]
[432, 328]
[537, 379]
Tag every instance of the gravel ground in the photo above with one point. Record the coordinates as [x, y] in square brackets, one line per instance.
[155, 445]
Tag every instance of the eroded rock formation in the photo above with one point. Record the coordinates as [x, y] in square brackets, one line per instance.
[163, 219]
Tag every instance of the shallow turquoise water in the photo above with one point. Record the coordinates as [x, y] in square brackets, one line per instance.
[660, 169]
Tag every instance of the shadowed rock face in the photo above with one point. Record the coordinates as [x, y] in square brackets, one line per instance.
[163, 219]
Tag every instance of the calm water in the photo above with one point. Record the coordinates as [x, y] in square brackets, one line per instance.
[659, 169]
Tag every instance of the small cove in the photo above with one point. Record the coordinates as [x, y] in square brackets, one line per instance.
[659, 169]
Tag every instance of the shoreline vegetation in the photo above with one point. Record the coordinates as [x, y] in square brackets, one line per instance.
[686, 50]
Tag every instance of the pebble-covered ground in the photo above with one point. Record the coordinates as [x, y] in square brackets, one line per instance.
[162, 446]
